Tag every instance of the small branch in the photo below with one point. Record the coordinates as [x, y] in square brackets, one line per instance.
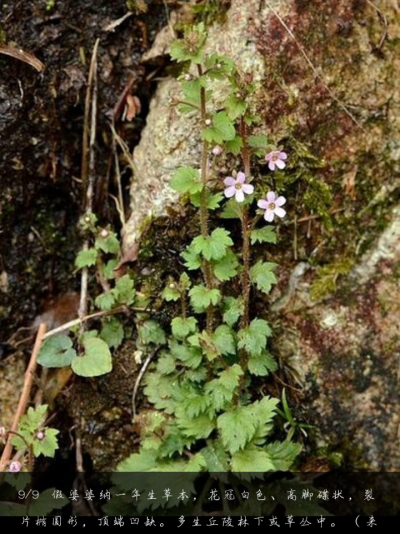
[18, 53]
[26, 390]
[138, 380]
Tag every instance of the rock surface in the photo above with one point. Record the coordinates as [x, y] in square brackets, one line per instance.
[328, 76]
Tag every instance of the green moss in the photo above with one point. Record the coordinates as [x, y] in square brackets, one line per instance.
[3, 36]
[325, 282]
[210, 11]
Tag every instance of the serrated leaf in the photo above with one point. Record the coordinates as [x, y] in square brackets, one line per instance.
[226, 268]
[263, 413]
[199, 427]
[48, 445]
[252, 460]
[171, 292]
[217, 460]
[124, 291]
[151, 332]
[235, 106]
[283, 454]
[262, 276]
[232, 210]
[86, 258]
[254, 338]
[143, 462]
[159, 390]
[213, 246]
[224, 340]
[192, 259]
[233, 309]
[190, 356]
[105, 301]
[230, 377]
[166, 364]
[186, 180]
[95, 361]
[262, 364]
[201, 298]
[108, 268]
[213, 200]
[263, 235]
[56, 351]
[236, 429]
[221, 129]
[112, 332]
[234, 145]
[183, 327]
[196, 404]
[108, 244]
[33, 419]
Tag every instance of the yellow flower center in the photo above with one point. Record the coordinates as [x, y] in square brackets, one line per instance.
[238, 186]
[272, 206]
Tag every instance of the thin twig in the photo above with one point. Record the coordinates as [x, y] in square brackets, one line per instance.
[138, 380]
[18, 53]
[311, 65]
[24, 398]
[383, 18]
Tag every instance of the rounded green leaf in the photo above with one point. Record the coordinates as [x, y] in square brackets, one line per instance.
[56, 351]
[95, 361]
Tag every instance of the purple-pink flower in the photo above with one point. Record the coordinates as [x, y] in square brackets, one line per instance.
[237, 187]
[272, 206]
[276, 159]
[15, 467]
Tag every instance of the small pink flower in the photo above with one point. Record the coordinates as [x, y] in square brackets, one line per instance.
[15, 467]
[272, 206]
[276, 159]
[237, 187]
[217, 150]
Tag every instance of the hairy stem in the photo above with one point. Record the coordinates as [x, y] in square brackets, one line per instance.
[203, 200]
[245, 233]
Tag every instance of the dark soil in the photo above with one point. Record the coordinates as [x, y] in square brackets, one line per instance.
[41, 127]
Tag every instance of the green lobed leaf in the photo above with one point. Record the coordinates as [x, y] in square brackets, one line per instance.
[199, 427]
[86, 258]
[233, 309]
[224, 340]
[262, 276]
[112, 332]
[234, 145]
[46, 503]
[159, 390]
[222, 129]
[108, 268]
[262, 364]
[283, 454]
[196, 404]
[151, 332]
[95, 361]
[171, 291]
[232, 210]
[235, 106]
[124, 292]
[190, 356]
[236, 428]
[105, 301]
[263, 235]
[226, 268]
[217, 460]
[259, 144]
[108, 244]
[166, 364]
[48, 445]
[183, 327]
[214, 246]
[252, 460]
[213, 200]
[192, 259]
[56, 351]
[254, 338]
[201, 298]
[186, 180]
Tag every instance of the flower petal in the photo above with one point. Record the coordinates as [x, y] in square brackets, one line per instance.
[248, 188]
[229, 180]
[282, 155]
[268, 156]
[280, 201]
[271, 196]
[263, 204]
[230, 191]
[271, 165]
[280, 212]
[280, 164]
[239, 195]
[269, 215]
[241, 177]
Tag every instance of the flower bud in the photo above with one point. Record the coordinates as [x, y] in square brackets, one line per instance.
[40, 435]
[208, 122]
[104, 233]
[15, 467]
[217, 150]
